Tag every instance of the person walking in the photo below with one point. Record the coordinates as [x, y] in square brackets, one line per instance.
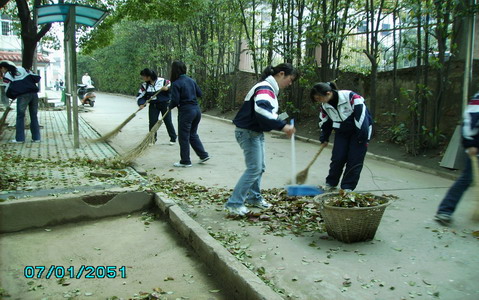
[257, 115]
[184, 95]
[346, 113]
[159, 104]
[470, 141]
[21, 84]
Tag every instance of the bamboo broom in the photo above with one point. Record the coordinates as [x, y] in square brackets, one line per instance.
[3, 120]
[149, 139]
[303, 175]
[117, 130]
[475, 185]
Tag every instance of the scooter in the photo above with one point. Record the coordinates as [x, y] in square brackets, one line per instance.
[86, 94]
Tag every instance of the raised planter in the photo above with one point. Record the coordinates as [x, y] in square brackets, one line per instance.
[351, 224]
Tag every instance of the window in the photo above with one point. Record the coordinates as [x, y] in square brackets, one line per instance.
[6, 28]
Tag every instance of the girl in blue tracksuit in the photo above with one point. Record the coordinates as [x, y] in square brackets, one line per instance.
[159, 104]
[257, 115]
[184, 95]
[470, 141]
[21, 84]
[344, 112]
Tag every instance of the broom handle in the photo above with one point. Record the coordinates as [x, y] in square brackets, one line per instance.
[475, 169]
[293, 157]
[316, 156]
[149, 100]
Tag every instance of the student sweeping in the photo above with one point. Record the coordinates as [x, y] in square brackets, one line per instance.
[344, 112]
[470, 141]
[184, 95]
[159, 104]
[21, 84]
[257, 115]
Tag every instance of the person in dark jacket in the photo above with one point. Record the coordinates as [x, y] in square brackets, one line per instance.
[21, 84]
[346, 113]
[470, 141]
[159, 104]
[184, 95]
[258, 114]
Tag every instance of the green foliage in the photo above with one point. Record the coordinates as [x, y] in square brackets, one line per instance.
[398, 134]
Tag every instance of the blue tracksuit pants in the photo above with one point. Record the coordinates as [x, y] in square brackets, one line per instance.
[189, 117]
[347, 151]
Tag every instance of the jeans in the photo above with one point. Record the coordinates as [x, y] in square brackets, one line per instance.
[154, 111]
[248, 187]
[455, 192]
[189, 117]
[29, 100]
[346, 151]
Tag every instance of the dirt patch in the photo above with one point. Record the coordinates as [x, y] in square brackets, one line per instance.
[154, 260]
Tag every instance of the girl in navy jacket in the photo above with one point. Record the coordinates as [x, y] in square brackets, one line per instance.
[470, 141]
[184, 95]
[346, 113]
[21, 84]
[159, 104]
[259, 113]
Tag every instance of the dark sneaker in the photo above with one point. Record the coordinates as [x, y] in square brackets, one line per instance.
[443, 219]
[203, 160]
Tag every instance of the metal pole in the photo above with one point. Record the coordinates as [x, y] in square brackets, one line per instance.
[73, 75]
[468, 59]
[67, 77]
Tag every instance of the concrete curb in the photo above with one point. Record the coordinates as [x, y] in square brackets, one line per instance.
[385, 159]
[48, 211]
[239, 280]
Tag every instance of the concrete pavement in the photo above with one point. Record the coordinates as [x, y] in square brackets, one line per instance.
[410, 257]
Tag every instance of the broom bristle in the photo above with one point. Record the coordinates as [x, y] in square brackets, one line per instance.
[114, 132]
[141, 148]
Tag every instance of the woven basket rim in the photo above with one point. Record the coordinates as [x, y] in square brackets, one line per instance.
[323, 198]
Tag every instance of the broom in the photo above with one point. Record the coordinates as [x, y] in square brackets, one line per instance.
[475, 184]
[117, 130]
[3, 120]
[149, 139]
[303, 175]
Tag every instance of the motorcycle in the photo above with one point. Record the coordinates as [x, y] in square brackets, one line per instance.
[86, 94]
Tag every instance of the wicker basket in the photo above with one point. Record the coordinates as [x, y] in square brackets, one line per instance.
[350, 225]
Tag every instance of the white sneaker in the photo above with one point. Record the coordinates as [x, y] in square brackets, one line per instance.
[328, 188]
[172, 143]
[203, 160]
[260, 204]
[17, 142]
[180, 165]
[36, 141]
[237, 210]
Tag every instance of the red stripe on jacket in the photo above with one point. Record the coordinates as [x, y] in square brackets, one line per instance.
[474, 102]
[267, 92]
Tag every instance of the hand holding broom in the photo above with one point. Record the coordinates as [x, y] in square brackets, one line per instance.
[475, 182]
[303, 175]
[117, 130]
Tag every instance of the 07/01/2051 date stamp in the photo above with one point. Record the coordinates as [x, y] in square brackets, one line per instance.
[88, 272]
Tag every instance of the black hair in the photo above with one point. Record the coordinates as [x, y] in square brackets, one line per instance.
[287, 68]
[149, 73]
[178, 68]
[10, 68]
[322, 88]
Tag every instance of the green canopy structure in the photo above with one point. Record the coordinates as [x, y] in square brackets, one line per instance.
[71, 14]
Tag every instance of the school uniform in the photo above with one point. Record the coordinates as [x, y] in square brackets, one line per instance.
[159, 104]
[184, 95]
[470, 138]
[352, 124]
[258, 114]
[23, 87]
